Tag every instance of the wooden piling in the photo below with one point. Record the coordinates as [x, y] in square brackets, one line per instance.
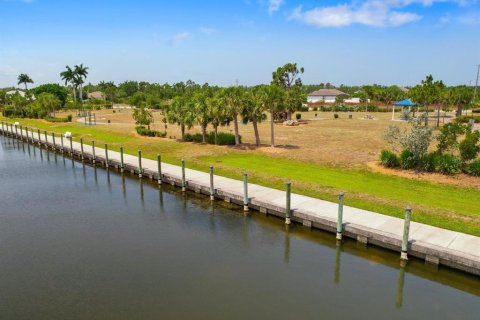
[212, 188]
[81, 149]
[288, 210]
[159, 167]
[140, 169]
[245, 192]
[106, 156]
[93, 152]
[184, 182]
[340, 216]
[406, 231]
[122, 167]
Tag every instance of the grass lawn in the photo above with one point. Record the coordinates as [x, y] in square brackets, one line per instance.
[446, 206]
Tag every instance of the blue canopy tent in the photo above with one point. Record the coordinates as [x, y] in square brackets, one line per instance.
[402, 103]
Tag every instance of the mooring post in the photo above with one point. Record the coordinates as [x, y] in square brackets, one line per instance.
[288, 211]
[93, 152]
[26, 133]
[46, 139]
[212, 188]
[3, 130]
[106, 156]
[245, 192]
[16, 132]
[39, 138]
[21, 133]
[71, 145]
[61, 142]
[406, 231]
[340, 216]
[121, 160]
[184, 184]
[54, 144]
[140, 169]
[159, 164]
[11, 129]
[81, 149]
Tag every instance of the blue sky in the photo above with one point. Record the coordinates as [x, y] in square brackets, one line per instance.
[219, 42]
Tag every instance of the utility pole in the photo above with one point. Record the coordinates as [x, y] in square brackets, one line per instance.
[476, 84]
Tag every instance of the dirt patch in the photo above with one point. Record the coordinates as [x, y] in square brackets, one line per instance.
[461, 180]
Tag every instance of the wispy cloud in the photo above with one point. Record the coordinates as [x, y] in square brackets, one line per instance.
[377, 13]
[208, 31]
[274, 5]
[181, 37]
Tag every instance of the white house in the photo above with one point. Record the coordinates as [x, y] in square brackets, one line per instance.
[20, 92]
[325, 95]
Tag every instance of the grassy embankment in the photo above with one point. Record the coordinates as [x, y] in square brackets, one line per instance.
[444, 206]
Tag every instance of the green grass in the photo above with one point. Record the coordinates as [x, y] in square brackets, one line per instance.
[445, 206]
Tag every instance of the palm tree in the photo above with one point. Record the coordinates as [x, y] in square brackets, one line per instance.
[272, 97]
[24, 78]
[81, 73]
[218, 113]
[254, 110]
[232, 98]
[202, 111]
[69, 76]
[181, 112]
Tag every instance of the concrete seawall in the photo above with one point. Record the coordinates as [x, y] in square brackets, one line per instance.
[434, 245]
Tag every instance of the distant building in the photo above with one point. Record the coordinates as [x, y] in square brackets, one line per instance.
[20, 92]
[96, 95]
[325, 95]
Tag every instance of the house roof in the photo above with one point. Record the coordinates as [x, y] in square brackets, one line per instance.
[95, 95]
[327, 92]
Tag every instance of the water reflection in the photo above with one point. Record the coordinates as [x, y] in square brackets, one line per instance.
[400, 286]
[338, 253]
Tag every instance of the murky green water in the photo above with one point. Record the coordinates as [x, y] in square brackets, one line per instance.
[81, 243]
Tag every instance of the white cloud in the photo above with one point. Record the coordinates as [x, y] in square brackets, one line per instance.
[377, 13]
[274, 5]
[207, 31]
[181, 37]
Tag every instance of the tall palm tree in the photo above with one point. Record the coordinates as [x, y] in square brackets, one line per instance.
[24, 78]
[272, 98]
[68, 76]
[81, 73]
[232, 98]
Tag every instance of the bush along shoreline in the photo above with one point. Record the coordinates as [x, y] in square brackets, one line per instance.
[457, 149]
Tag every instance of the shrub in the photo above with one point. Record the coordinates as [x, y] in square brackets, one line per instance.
[389, 159]
[447, 164]
[298, 116]
[474, 168]
[149, 133]
[66, 119]
[468, 147]
[408, 160]
[466, 119]
[223, 138]
[476, 111]
[429, 162]
[335, 116]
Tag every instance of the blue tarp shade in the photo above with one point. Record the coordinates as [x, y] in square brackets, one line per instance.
[405, 103]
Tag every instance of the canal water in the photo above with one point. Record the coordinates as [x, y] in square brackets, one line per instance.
[83, 243]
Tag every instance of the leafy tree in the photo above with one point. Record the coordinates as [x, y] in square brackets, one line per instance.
[52, 88]
[24, 78]
[469, 146]
[417, 140]
[109, 89]
[142, 116]
[287, 77]
[448, 137]
[138, 99]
